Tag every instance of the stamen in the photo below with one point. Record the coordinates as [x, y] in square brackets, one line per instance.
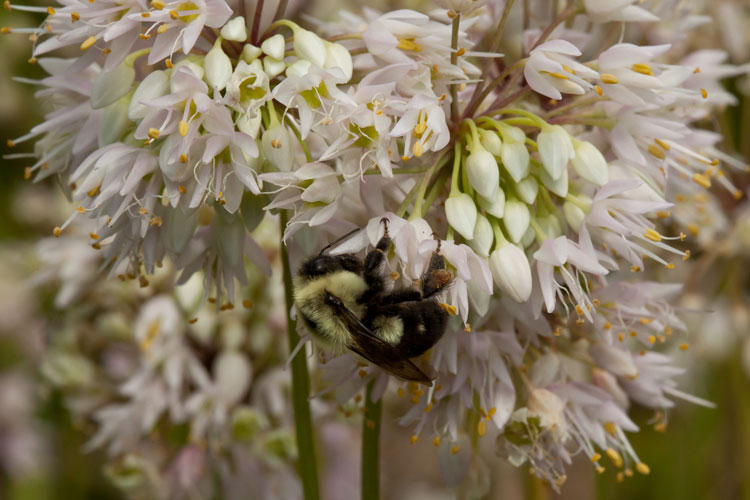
[652, 235]
[704, 93]
[74, 16]
[455, 449]
[643, 69]
[247, 304]
[450, 309]
[88, 43]
[414, 438]
[409, 44]
[157, 4]
[643, 468]
[655, 151]
[598, 89]
[608, 78]
[615, 457]
[559, 75]
[436, 441]
[183, 127]
[153, 133]
[702, 180]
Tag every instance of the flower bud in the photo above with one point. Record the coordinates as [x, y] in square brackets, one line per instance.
[491, 142]
[179, 227]
[337, 56]
[550, 224]
[607, 381]
[574, 215]
[274, 47]
[156, 84]
[278, 148]
[550, 407]
[514, 154]
[527, 190]
[235, 30]
[494, 206]
[116, 117]
[461, 214]
[483, 173]
[555, 149]
[309, 46]
[247, 422]
[511, 271]
[528, 238]
[273, 67]
[483, 236]
[232, 375]
[516, 219]
[299, 68]
[558, 186]
[618, 361]
[590, 163]
[250, 53]
[218, 67]
[111, 85]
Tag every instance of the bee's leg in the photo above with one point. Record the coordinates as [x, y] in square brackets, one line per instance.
[402, 295]
[435, 277]
[375, 262]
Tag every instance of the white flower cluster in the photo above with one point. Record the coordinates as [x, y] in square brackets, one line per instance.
[546, 178]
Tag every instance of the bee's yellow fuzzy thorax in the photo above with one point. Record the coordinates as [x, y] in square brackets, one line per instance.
[309, 295]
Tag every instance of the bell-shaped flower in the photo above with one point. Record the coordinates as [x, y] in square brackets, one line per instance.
[574, 215]
[109, 86]
[513, 152]
[589, 163]
[310, 47]
[558, 186]
[483, 236]
[278, 147]
[516, 219]
[337, 56]
[274, 47]
[235, 30]
[551, 71]
[483, 172]
[461, 213]
[491, 141]
[218, 67]
[511, 271]
[555, 149]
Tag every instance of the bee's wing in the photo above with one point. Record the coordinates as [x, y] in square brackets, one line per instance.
[378, 351]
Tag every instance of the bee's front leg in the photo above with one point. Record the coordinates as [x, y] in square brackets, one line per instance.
[435, 277]
[374, 267]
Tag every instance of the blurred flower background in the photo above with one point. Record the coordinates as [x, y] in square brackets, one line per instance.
[192, 406]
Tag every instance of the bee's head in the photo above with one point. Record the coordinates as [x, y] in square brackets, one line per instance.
[322, 265]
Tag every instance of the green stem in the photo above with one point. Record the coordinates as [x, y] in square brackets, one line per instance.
[306, 465]
[433, 193]
[455, 191]
[441, 160]
[371, 446]
[454, 61]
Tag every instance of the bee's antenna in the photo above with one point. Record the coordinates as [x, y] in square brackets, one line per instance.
[338, 240]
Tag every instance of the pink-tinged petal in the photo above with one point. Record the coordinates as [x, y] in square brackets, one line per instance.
[553, 251]
[191, 33]
[625, 146]
[314, 170]
[540, 84]
[559, 46]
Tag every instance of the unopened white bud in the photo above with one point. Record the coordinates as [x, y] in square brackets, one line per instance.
[527, 190]
[273, 67]
[514, 154]
[483, 173]
[337, 56]
[483, 236]
[116, 117]
[491, 142]
[590, 163]
[156, 84]
[494, 206]
[274, 47]
[278, 148]
[550, 224]
[511, 271]
[111, 85]
[516, 219]
[235, 30]
[218, 67]
[550, 407]
[558, 186]
[250, 53]
[574, 215]
[309, 46]
[528, 238]
[461, 214]
[299, 68]
[555, 149]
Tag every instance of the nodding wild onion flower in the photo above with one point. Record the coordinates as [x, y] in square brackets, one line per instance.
[545, 179]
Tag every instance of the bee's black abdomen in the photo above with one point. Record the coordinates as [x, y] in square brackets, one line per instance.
[424, 323]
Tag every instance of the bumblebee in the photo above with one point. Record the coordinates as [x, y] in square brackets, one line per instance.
[344, 302]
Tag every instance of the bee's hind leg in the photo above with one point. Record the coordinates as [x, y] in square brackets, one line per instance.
[435, 277]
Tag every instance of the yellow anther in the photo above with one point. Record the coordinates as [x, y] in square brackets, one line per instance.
[559, 75]
[455, 449]
[600, 469]
[80, 210]
[662, 144]
[442, 97]
[461, 51]
[684, 347]
[608, 78]
[467, 327]
[6, 5]
[448, 308]
[652, 235]
[93, 236]
[88, 42]
[669, 266]
[168, 63]
[693, 229]
[74, 16]
[50, 11]
[655, 151]
[417, 149]
[157, 4]
[144, 36]
[620, 337]
[57, 231]
[145, 14]
[362, 373]
[404, 158]
[420, 128]
[492, 411]
[635, 269]
[409, 44]
[663, 214]
[643, 468]
[153, 133]
[247, 304]
[155, 221]
[697, 70]
[414, 438]
[428, 407]
[620, 477]
[610, 428]
[579, 309]
[276, 144]
[607, 326]
[704, 93]
[414, 400]
[651, 339]
[183, 158]
[614, 455]
[174, 14]
[436, 441]
[482, 428]
[27, 173]
[598, 90]
[183, 128]
[143, 211]
[702, 180]
[161, 29]
[643, 69]
[596, 457]
[645, 321]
